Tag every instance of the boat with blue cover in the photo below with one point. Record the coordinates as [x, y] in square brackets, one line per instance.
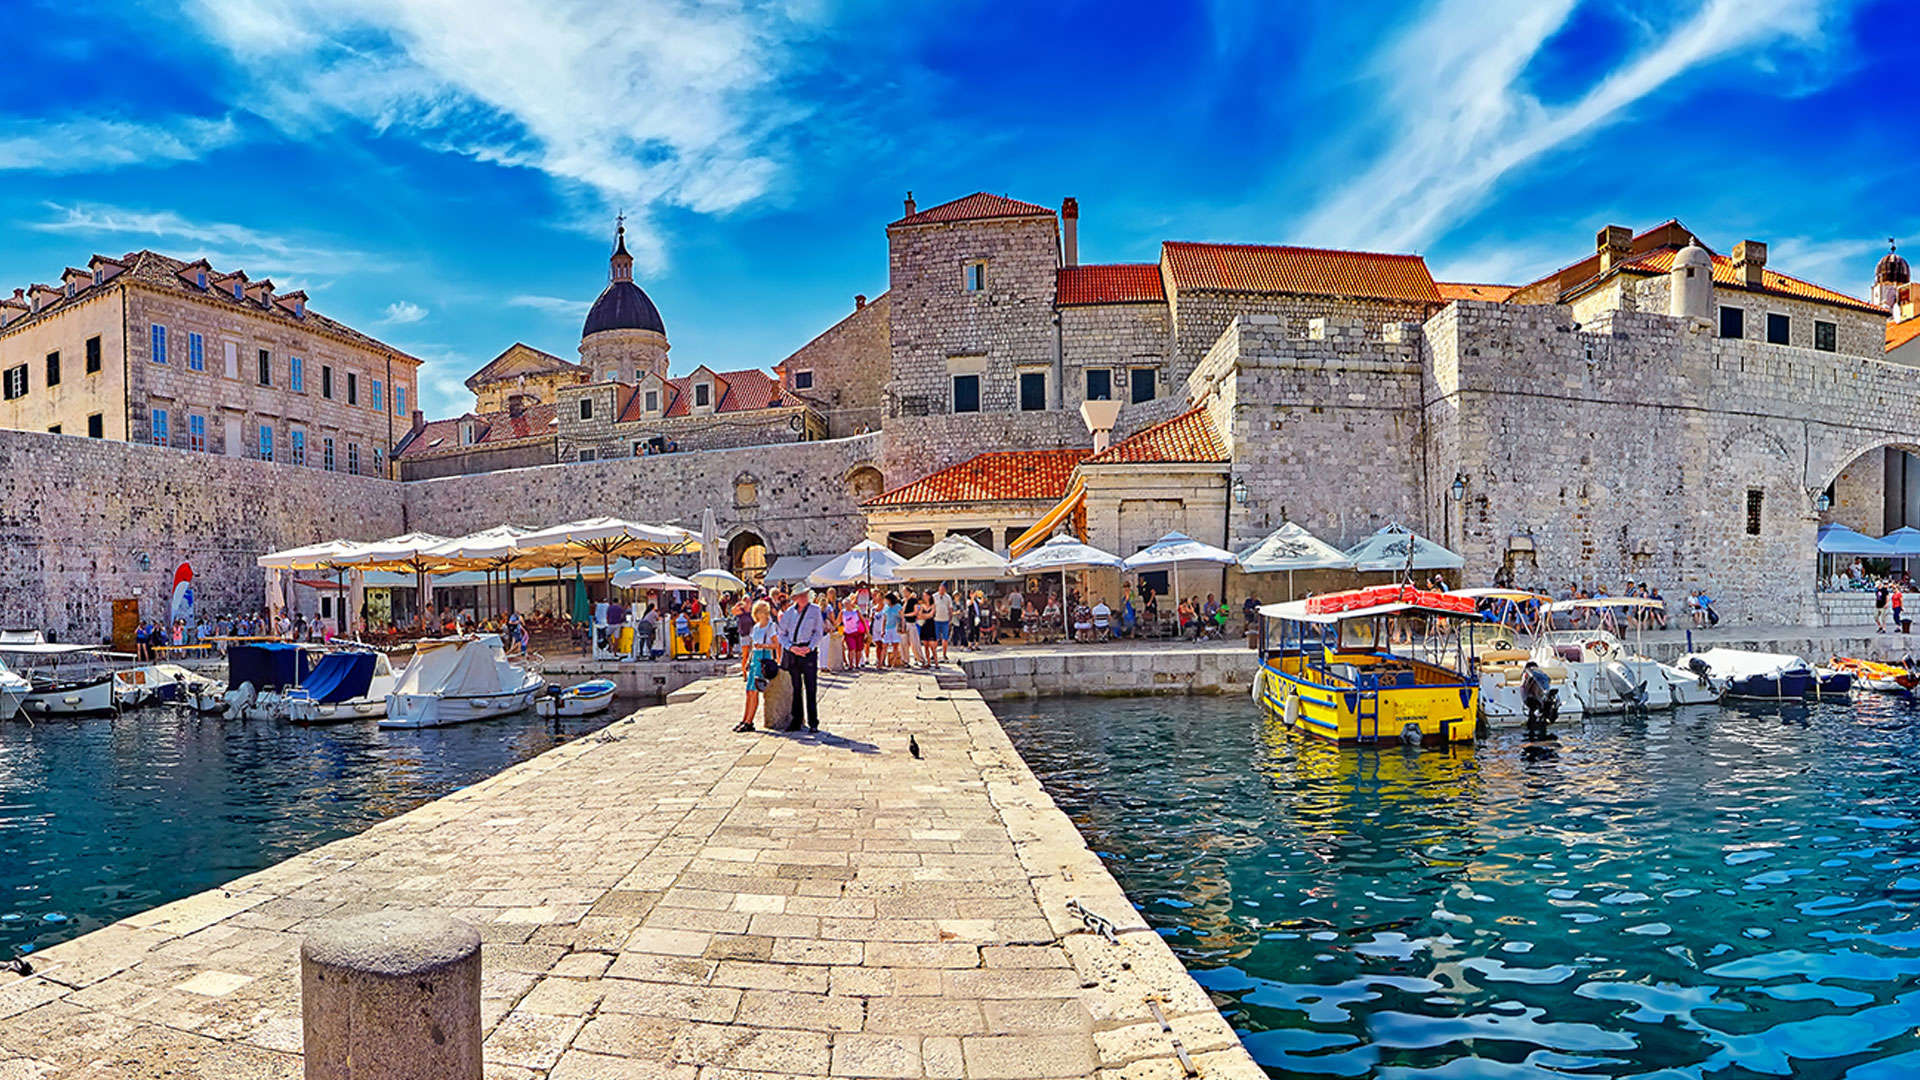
[580, 699]
[351, 684]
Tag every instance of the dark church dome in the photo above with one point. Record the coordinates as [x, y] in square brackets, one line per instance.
[623, 306]
[1892, 270]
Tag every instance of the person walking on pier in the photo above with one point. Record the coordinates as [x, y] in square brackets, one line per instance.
[801, 630]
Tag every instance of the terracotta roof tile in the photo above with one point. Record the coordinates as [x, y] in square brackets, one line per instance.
[975, 206]
[995, 476]
[1461, 290]
[1263, 268]
[740, 391]
[1189, 437]
[1118, 283]
[492, 430]
[1899, 333]
[1660, 261]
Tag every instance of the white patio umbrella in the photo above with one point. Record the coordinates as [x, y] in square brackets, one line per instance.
[1064, 553]
[645, 577]
[865, 562]
[1291, 547]
[955, 558]
[331, 556]
[408, 551]
[718, 579]
[495, 549]
[1174, 549]
[608, 537]
[1398, 548]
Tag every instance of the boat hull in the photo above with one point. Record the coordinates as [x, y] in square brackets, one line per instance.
[1791, 684]
[1427, 714]
[442, 710]
[11, 695]
[89, 697]
[576, 701]
[1503, 702]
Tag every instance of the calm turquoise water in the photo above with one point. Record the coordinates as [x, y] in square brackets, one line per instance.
[100, 819]
[1715, 892]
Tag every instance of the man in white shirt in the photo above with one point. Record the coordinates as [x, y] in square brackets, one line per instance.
[1102, 620]
[943, 619]
[802, 629]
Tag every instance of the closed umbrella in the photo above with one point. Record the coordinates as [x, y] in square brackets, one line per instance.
[1173, 549]
[1064, 553]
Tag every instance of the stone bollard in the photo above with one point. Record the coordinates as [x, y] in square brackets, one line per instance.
[776, 703]
[394, 995]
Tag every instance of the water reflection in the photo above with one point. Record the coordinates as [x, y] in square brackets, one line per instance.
[1709, 891]
[100, 819]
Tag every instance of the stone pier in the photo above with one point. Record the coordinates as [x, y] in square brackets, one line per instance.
[668, 899]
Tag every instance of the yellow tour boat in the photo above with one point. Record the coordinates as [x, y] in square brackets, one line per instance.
[1368, 665]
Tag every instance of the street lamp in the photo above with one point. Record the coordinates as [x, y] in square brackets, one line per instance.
[1821, 504]
[1240, 490]
[1459, 487]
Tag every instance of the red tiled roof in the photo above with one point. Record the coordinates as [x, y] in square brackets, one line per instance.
[991, 477]
[1660, 261]
[739, 391]
[1899, 333]
[974, 206]
[492, 430]
[1189, 437]
[1461, 290]
[1264, 268]
[1118, 283]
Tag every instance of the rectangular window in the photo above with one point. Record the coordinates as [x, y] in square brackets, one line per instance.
[158, 343]
[653, 401]
[1143, 382]
[1033, 391]
[353, 459]
[702, 394]
[1099, 384]
[1754, 497]
[159, 427]
[966, 393]
[266, 370]
[378, 457]
[586, 408]
[16, 382]
[266, 442]
[976, 275]
[1733, 322]
[400, 401]
[375, 399]
[196, 352]
[93, 355]
[1779, 328]
[353, 388]
[1825, 336]
[803, 380]
[232, 353]
[53, 369]
[296, 375]
[197, 433]
[326, 453]
[585, 455]
[297, 447]
[96, 426]
[53, 429]
[326, 381]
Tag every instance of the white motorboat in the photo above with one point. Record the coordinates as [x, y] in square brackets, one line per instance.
[157, 683]
[457, 679]
[1607, 677]
[1755, 674]
[348, 685]
[1503, 679]
[13, 690]
[64, 680]
[581, 699]
[262, 676]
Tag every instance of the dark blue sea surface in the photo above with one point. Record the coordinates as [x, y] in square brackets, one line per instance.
[103, 818]
[1713, 892]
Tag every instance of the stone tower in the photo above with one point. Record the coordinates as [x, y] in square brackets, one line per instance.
[623, 339]
[1892, 273]
[1690, 290]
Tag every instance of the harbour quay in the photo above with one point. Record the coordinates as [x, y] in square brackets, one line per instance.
[664, 899]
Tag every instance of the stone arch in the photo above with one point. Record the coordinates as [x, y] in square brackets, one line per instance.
[864, 482]
[1868, 490]
[747, 555]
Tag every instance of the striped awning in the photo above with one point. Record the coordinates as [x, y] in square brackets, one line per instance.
[1071, 505]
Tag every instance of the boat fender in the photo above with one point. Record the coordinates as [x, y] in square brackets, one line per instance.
[1293, 706]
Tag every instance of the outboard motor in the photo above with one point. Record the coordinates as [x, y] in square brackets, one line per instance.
[237, 700]
[1538, 695]
[1700, 669]
[1631, 692]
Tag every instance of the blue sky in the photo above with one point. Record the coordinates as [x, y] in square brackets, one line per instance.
[444, 173]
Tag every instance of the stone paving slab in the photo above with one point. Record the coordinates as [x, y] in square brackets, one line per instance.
[668, 899]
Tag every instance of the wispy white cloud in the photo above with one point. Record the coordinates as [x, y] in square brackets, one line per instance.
[402, 313]
[674, 104]
[95, 144]
[225, 244]
[1459, 119]
[553, 305]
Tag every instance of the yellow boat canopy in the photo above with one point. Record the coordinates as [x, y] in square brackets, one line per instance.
[1296, 611]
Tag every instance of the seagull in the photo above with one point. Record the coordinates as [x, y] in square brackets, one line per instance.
[913, 746]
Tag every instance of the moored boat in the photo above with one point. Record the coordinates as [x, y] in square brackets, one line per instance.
[1329, 666]
[580, 699]
[157, 683]
[1755, 674]
[63, 680]
[457, 679]
[348, 685]
[1874, 675]
[261, 675]
[13, 690]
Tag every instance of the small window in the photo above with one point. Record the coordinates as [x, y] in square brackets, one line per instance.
[53, 369]
[1779, 328]
[326, 381]
[53, 429]
[93, 356]
[976, 275]
[966, 393]
[1754, 498]
[353, 459]
[99, 275]
[375, 398]
[586, 408]
[702, 394]
[326, 454]
[232, 353]
[466, 433]
[1033, 391]
[803, 380]
[69, 290]
[378, 461]
[96, 426]
[297, 447]
[1733, 322]
[266, 442]
[159, 426]
[1143, 382]
[353, 388]
[16, 382]
[200, 279]
[197, 433]
[653, 401]
[1099, 384]
[239, 290]
[400, 401]
[266, 368]
[1825, 336]
[586, 455]
[296, 375]
[157, 339]
[196, 353]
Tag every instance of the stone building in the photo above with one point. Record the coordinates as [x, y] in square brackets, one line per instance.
[991, 498]
[523, 375]
[146, 348]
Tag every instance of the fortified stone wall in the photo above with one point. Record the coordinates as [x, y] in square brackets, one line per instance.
[849, 361]
[479, 459]
[78, 516]
[1201, 316]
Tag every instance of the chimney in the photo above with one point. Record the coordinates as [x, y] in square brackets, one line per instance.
[1100, 417]
[1070, 230]
[1613, 243]
[419, 420]
[859, 301]
[1749, 259]
[910, 209]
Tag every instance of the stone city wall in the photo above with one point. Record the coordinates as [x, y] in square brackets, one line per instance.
[1201, 316]
[78, 516]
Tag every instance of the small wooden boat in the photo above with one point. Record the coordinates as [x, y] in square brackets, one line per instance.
[580, 699]
[1874, 675]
